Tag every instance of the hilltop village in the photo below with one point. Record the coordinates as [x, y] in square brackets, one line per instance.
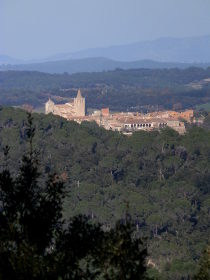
[126, 122]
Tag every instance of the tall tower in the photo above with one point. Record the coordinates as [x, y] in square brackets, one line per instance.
[79, 105]
[49, 106]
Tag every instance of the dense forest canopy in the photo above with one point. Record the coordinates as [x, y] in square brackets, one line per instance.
[121, 90]
[163, 177]
[37, 243]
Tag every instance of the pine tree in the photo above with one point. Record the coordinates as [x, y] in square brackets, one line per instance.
[30, 217]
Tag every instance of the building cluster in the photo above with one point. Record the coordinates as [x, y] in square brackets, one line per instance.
[126, 122]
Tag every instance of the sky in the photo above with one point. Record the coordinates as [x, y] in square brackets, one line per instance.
[32, 29]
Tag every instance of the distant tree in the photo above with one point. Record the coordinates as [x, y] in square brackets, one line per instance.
[122, 256]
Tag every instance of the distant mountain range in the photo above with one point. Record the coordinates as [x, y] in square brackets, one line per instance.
[185, 50]
[95, 65]
[160, 53]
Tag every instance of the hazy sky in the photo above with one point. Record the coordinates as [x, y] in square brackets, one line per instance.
[38, 28]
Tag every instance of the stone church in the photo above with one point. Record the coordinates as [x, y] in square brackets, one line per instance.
[69, 110]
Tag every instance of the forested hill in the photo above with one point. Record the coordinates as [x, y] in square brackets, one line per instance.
[163, 177]
[95, 64]
[121, 90]
[145, 78]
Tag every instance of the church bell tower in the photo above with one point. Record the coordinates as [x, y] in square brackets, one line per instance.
[79, 105]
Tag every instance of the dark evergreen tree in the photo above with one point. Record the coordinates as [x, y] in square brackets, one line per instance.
[204, 271]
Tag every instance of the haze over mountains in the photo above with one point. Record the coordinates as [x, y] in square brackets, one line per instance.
[188, 50]
[160, 53]
[5, 59]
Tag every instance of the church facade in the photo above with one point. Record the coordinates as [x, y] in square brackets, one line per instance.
[68, 110]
